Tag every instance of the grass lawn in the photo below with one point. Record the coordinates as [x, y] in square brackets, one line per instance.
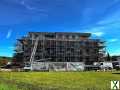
[56, 80]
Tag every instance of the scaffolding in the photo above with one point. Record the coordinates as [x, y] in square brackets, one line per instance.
[61, 47]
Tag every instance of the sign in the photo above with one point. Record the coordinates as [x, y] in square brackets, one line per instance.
[115, 85]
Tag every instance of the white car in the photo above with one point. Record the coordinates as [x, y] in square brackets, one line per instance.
[27, 67]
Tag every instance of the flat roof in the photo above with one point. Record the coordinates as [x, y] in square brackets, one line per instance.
[65, 33]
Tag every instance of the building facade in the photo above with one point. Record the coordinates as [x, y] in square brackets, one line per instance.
[59, 47]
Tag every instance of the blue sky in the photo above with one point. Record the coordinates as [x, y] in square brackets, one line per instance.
[99, 17]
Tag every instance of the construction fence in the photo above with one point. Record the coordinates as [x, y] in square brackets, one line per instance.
[58, 66]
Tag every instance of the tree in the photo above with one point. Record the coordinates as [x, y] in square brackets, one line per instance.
[3, 61]
[108, 58]
[18, 58]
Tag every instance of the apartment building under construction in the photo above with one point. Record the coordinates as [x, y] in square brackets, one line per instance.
[60, 47]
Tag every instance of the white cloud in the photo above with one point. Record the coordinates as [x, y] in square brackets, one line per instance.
[29, 7]
[9, 34]
[111, 19]
[99, 34]
[10, 47]
[96, 31]
[25, 5]
[113, 40]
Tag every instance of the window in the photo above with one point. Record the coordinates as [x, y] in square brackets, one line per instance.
[82, 43]
[81, 58]
[60, 36]
[73, 36]
[50, 35]
[81, 52]
[67, 36]
[36, 35]
[87, 51]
